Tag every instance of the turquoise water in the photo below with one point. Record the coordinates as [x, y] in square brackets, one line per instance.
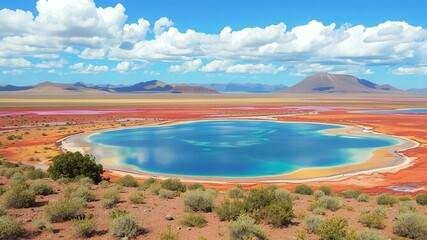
[399, 111]
[235, 148]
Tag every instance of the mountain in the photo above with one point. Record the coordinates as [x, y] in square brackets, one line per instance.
[418, 90]
[153, 86]
[338, 83]
[244, 87]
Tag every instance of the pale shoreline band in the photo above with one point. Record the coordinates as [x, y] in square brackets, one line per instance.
[387, 159]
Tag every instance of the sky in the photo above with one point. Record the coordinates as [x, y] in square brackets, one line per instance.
[205, 41]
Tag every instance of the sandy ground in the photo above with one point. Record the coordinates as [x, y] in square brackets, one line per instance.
[39, 131]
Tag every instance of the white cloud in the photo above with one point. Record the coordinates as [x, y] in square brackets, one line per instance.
[421, 70]
[125, 67]
[225, 66]
[303, 69]
[88, 69]
[14, 62]
[136, 32]
[91, 53]
[13, 72]
[161, 25]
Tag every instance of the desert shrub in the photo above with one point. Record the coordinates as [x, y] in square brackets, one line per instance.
[127, 181]
[117, 212]
[64, 209]
[421, 199]
[41, 187]
[85, 181]
[19, 196]
[193, 220]
[256, 200]
[279, 214]
[136, 197]
[408, 206]
[351, 193]
[411, 225]
[334, 228]
[155, 188]
[319, 211]
[35, 174]
[312, 223]
[125, 226]
[173, 184]
[71, 165]
[228, 211]
[245, 228]
[326, 190]
[10, 172]
[318, 193]
[284, 195]
[331, 203]
[198, 200]
[303, 189]
[39, 224]
[10, 228]
[17, 177]
[85, 227]
[386, 199]
[167, 194]
[104, 184]
[212, 191]
[147, 183]
[2, 210]
[64, 181]
[402, 199]
[168, 234]
[370, 234]
[110, 198]
[363, 197]
[236, 192]
[195, 186]
[374, 218]
[79, 192]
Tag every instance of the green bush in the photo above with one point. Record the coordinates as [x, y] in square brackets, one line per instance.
[193, 220]
[228, 211]
[284, 195]
[125, 226]
[331, 203]
[236, 192]
[79, 192]
[104, 184]
[386, 199]
[10, 172]
[136, 197]
[334, 228]
[326, 190]
[363, 197]
[212, 191]
[411, 225]
[167, 194]
[2, 210]
[256, 200]
[195, 186]
[408, 206]
[85, 181]
[85, 227]
[155, 188]
[245, 228]
[117, 212]
[110, 198]
[71, 165]
[64, 209]
[41, 187]
[198, 200]
[312, 223]
[147, 183]
[168, 234]
[19, 196]
[421, 199]
[370, 234]
[64, 181]
[35, 174]
[374, 218]
[403, 199]
[303, 189]
[319, 211]
[10, 228]
[318, 193]
[173, 184]
[127, 181]
[351, 193]
[279, 214]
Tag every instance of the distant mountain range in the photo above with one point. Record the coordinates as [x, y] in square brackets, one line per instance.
[319, 83]
[338, 83]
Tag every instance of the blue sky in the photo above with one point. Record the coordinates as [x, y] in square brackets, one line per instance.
[273, 42]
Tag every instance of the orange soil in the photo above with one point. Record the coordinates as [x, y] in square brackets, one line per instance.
[34, 144]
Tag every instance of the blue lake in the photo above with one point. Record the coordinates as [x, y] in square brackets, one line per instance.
[238, 148]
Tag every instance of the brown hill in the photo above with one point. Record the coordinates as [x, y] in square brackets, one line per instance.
[50, 87]
[338, 83]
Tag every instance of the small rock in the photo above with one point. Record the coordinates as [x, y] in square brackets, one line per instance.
[124, 238]
[134, 206]
[169, 217]
[28, 220]
[178, 228]
[189, 228]
[147, 210]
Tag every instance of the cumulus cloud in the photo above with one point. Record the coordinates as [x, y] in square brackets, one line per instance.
[304, 69]
[126, 67]
[161, 25]
[225, 66]
[422, 70]
[88, 69]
